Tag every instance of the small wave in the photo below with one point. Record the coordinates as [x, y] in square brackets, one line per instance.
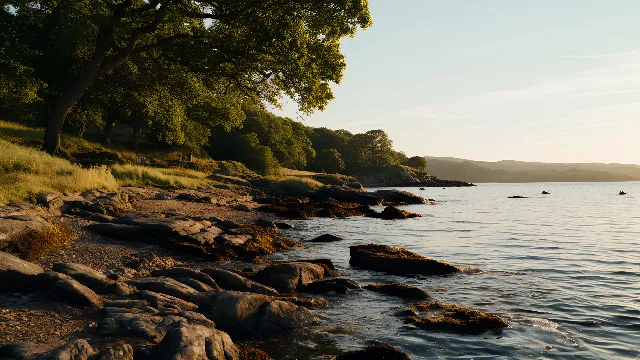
[544, 324]
[627, 273]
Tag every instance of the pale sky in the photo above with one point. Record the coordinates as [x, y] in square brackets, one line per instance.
[533, 80]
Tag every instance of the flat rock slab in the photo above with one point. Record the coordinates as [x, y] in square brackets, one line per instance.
[231, 281]
[93, 279]
[454, 318]
[164, 285]
[76, 350]
[247, 315]
[397, 261]
[288, 277]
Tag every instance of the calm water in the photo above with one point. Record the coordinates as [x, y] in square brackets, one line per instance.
[562, 269]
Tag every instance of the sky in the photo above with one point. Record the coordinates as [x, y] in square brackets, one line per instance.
[531, 80]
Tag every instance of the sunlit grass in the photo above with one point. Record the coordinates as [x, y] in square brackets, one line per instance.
[26, 171]
[134, 175]
[294, 186]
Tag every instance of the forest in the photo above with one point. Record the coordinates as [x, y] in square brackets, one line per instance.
[196, 76]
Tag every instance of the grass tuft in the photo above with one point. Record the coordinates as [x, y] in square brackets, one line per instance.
[295, 186]
[33, 245]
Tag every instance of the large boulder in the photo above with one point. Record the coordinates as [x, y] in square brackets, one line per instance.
[93, 279]
[397, 261]
[165, 285]
[15, 272]
[246, 315]
[231, 281]
[196, 342]
[288, 277]
[455, 318]
[399, 197]
[118, 351]
[63, 288]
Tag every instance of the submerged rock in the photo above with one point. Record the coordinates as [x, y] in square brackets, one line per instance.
[399, 289]
[376, 351]
[455, 318]
[396, 261]
[288, 277]
[283, 226]
[337, 285]
[326, 238]
[393, 213]
[247, 315]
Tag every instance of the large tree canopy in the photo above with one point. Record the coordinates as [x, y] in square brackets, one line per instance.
[262, 48]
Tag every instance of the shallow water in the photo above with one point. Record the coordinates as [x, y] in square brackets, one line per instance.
[562, 269]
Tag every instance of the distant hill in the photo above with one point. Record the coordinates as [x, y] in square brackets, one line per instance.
[521, 171]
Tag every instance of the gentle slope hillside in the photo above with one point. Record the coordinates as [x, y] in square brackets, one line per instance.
[521, 171]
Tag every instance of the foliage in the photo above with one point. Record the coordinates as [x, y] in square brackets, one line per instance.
[33, 245]
[135, 175]
[417, 162]
[26, 171]
[373, 148]
[329, 160]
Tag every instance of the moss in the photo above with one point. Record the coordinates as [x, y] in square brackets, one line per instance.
[456, 318]
[398, 289]
[33, 245]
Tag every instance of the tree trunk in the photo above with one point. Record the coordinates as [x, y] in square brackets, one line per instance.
[107, 132]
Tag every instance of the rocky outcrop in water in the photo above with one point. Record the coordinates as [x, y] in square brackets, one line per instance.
[454, 318]
[397, 261]
[376, 351]
[288, 277]
[399, 289]
[393, 213]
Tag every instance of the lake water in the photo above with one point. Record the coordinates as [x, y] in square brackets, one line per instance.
[563, 269]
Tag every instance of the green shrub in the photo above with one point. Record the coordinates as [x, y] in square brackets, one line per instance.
[329, 161]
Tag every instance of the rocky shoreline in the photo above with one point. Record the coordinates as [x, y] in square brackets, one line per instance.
[168, 274]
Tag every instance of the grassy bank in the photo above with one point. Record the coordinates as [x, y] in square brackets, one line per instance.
[26, 171]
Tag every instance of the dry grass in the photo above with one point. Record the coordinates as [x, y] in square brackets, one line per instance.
[26, 171]
[134, 175]
[292, 172]
[294, 186]
[33, 245]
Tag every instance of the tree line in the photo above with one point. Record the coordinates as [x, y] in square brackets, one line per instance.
[192, 73]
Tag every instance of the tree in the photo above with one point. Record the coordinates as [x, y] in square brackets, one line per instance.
[418, 162]
[324, 139]
[329, 161]
[266, 48]
[373, 148]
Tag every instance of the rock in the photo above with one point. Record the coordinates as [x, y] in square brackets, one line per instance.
[230, 224]
[265, 222]
[15, 272]
[206, 236]
[308, 302]
[232, 281]
[327, 264]
[288, 277]
[119, 351]
[93, 279]
[396, 261]
[76, 350]
[455, 318]
[146, 326]
[327, 238]
[283, 226]
[393, 213]
[165, 285]
[338, 285]
[167, 302]
[75, 293]
[196, 342]
[377, 351]
[51, 201]
[247, 315]
[233, 240]
[399, 197]
[398, 289]
[181, 272]
[242, 207]
[118, 231]
[165, 227]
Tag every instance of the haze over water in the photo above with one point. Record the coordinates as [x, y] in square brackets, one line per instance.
[562, 269]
